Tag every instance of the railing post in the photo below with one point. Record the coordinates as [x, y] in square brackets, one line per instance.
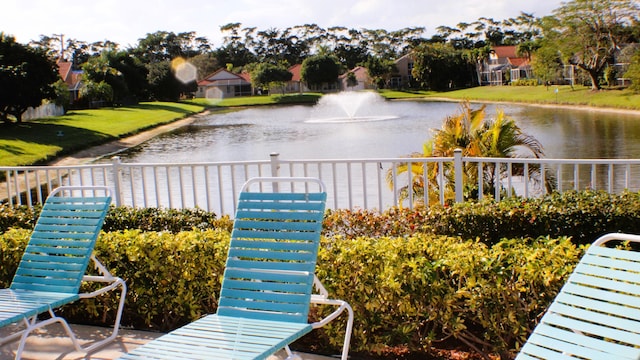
[275, 164]
[275, 168]
[117, 180]
[457, 168]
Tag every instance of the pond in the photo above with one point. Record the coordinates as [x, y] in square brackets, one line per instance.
[363, 125]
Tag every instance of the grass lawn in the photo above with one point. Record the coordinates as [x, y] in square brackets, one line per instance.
[38, 141]
[565, 95]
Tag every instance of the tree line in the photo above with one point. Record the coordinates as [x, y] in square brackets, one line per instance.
[591, 35]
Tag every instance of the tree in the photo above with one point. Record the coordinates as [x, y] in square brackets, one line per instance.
[319, 69]
[167, 45]
[101, 82]
[379, 70]
[439, 66]
[163, 85]
[234, 51]
[588, 33]
[546, 64]
[27, 76]
[266, 74]
[633, 72]
[477, 136]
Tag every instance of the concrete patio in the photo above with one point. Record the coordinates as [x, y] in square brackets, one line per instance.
[50, 343]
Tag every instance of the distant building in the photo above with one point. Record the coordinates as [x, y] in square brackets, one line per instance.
[403, 78]
[504, 66]
[224, 84]
[295, 85]
[363, 81]
[73, 78]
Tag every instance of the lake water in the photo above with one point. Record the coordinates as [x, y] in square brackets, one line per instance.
[378, 129]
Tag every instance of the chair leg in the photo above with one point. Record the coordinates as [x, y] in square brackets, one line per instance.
[291, 355]
[116, 326]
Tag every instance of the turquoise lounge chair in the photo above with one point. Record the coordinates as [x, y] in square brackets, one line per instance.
[596, 315]
[268, 280]
[54, 263]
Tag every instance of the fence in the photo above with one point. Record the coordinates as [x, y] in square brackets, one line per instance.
[351, 183]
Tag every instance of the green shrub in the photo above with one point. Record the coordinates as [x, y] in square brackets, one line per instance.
[421, 290]
[584, 216]
[126, 217]
[162, 219]
[525, 82]
[171, 278]
[17, 216]
[409, 292]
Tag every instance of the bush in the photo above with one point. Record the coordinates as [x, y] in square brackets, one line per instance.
[162, 219]
[18, 216]
[419, 291]
[172, 279]
[407, 292]
[584, 216]
[125, 217]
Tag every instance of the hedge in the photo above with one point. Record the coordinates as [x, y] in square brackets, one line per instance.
[408, 293]
[583, 215]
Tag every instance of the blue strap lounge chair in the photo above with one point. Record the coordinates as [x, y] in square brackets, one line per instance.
[54, 265]
[267, 285]
[596, 314]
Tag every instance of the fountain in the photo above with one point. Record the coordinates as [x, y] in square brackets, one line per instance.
[350, 106]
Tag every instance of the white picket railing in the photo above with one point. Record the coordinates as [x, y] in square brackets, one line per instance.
[351, 183]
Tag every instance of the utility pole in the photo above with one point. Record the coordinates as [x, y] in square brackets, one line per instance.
[61, 36]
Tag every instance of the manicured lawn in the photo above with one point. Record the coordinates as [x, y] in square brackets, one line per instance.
[38, 141]
[565, 95]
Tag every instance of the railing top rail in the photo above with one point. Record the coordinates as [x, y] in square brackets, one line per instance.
[354, 160]
[552, 161]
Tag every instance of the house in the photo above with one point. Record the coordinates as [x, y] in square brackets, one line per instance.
[403, 78]
[73, 78]
[224, 84]
[361, 76]
[295, 85]
[505, 65]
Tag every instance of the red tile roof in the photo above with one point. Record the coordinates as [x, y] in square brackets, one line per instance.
[64, 69]
[505, 51]
[295, 70]
[517, 62]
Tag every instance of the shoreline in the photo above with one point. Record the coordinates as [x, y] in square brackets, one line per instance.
[93, 153]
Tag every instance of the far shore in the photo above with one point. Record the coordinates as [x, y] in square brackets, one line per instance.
[112, 148]
[599, 109]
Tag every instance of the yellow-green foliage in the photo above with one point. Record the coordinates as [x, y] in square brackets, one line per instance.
[416, 291]
[171, 278]
[409, 292]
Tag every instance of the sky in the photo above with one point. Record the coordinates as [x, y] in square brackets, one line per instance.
[127, 21]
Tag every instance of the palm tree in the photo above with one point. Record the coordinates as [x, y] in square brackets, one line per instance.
[477, 136]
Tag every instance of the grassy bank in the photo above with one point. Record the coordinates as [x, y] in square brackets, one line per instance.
[553, 95]
[39, 141]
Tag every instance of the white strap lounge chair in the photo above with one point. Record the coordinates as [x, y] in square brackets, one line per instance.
[268, 280]
[54, 265]
[596, 315]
